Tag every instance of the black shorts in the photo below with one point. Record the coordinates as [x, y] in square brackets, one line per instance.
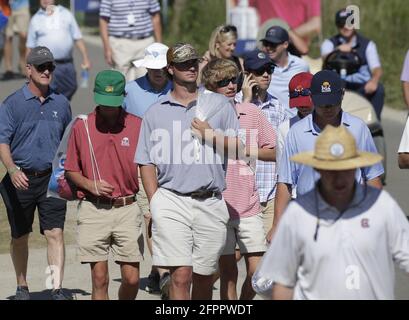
[21, 205]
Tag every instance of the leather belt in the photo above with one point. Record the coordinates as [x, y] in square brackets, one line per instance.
[33, 173]
[115, 202]
[62, 61]
[200, 194]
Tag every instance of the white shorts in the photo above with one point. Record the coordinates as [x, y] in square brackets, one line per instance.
[248, 233]
[188, 232]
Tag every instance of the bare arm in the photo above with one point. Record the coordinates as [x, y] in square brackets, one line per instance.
[86, 64]
[403, 160]
[312, 26]
[97, 188]
[149, 180]
[157, 27]
[376, 183]
[298, 42]
[264, 154]
[103, 27]
[18, 178]
[280, 292]
[405, 88]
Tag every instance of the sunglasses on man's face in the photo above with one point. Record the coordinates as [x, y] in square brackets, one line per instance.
[229, 28]
[260, 71]
[45, 66]
[298, 93]
[271, 45]
[225, 82]
[184, 66]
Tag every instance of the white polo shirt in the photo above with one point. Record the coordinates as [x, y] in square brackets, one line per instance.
[353, 255]
[404, 142]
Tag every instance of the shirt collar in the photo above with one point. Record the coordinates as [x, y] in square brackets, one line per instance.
[313, 128]
[29, 95]
[291, 60]
[168, 99]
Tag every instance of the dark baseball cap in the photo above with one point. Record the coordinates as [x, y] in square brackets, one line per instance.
[40, 55]
[276, 34]
[341, 17]
[327, 88]
[256, 59]
[109, 88]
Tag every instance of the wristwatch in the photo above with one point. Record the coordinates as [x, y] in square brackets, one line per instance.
[13, 170]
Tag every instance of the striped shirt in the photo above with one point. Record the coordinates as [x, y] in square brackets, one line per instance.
[129, 18]
[241, 194]
[266, 177]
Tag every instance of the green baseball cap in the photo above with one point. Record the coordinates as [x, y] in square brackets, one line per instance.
[109, 88]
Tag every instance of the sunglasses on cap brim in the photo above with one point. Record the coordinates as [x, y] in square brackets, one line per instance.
[45, 66]
[229, 28]
[299, 93]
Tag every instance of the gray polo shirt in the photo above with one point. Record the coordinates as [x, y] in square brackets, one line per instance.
[166, 141]
[353, 255]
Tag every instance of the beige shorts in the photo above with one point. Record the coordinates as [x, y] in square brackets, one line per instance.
[267, 210]
[102, 229]
[188, 232]
[125, 51]
[18, 22]
[248, 233]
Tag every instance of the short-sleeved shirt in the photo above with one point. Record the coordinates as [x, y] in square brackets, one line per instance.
[140, 95]
[364, 73]
[404, 142]
[18, 4]
[241, 193]
[294, 12]
[354, 252]
[32, 129]
[56, 32]
[166, 141]
[114, 150]
[281, 78]
[405, 70]
[302, 137]
[119, 11]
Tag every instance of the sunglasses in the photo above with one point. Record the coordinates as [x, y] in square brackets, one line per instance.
[298, 93]
[45, 66]
[184, 66]
[260, 71]
[229, 28]
[225, 82]
[270, 44]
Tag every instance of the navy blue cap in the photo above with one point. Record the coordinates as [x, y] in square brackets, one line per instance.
[341, 17]
[276, 34]
[254, 60]
[326, 88]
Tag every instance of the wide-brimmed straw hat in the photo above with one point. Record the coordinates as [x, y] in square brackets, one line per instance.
[335, 149]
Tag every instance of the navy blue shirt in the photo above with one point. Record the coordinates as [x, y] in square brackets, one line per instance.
[32, 129]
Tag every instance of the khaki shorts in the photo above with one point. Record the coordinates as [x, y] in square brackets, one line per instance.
[18, 22]
[267, 210]
[248, 233]
[188, 232]
[125, 51]
[102, 229]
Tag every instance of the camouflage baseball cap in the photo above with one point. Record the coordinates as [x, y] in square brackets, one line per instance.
[181, 52]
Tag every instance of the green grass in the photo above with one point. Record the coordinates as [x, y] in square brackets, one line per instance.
[384, 21]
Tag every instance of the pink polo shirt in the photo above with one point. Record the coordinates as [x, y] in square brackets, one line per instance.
[114, 151]
[241, 193]
[294, 12]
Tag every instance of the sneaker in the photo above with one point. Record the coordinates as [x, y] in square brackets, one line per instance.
[60, 294]
[8, 75]
[22, 293]
[152, 286]
[164, 284]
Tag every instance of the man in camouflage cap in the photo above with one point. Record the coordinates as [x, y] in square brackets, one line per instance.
[189, 215]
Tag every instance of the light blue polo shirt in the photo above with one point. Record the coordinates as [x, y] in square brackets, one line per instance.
[19, 4]
[140, 95]
[56, 32]
[281, 78]
[302, 137]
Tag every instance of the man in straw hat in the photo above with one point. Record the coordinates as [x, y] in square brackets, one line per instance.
[326, 93]
[339, 240]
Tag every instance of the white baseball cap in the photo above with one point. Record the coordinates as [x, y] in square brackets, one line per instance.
[155, 57]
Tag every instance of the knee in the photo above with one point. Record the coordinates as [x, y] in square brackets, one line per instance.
[131, 280]
[21, 241]
[100, 279]
[181, 278]
[54, 235]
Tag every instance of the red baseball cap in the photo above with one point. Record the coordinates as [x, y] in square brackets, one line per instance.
[300, 90]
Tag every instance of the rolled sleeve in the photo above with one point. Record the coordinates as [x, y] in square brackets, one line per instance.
[372, 56]
[154, 7]
[7, 127]
[405, 70]
[105, 8]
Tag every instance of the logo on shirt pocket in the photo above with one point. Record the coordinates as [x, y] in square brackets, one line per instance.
[125, 142]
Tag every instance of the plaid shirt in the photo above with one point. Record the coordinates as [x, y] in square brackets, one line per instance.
[266, 178]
